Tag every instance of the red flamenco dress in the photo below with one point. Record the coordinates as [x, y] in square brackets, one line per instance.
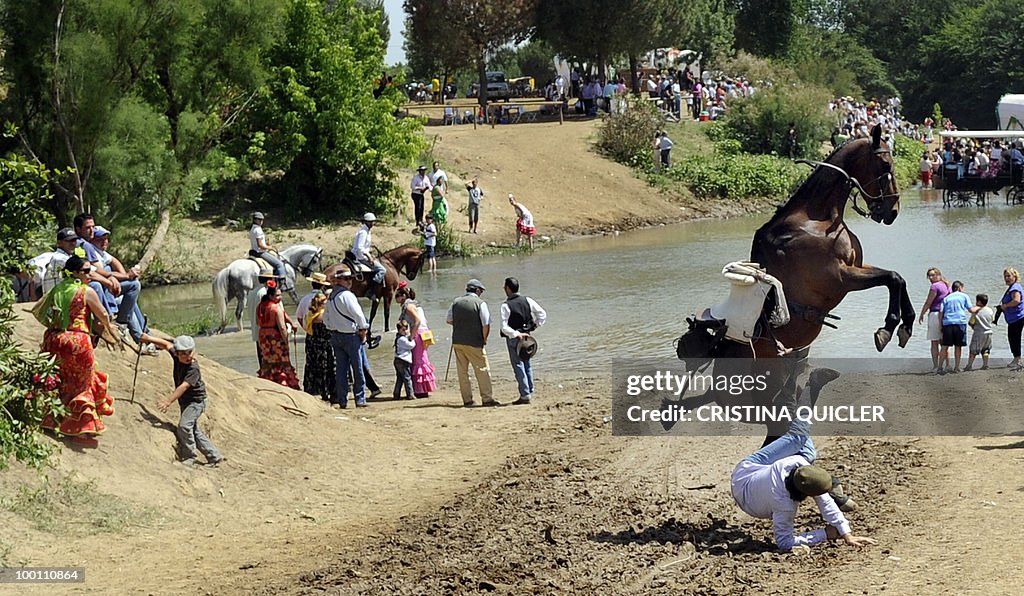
[277, 366]
[83, 389]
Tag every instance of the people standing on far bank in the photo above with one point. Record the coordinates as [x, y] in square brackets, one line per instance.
[982, 316]
[471, 325]
[665, 147]
[1013, 310]
[475, 196]
[520, 315]
[932, 305]
[955, 314]
[420, 186]
[430, 244]
[524, 222]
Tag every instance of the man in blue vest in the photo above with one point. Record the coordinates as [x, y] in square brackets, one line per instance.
[471, 324]
[520, 315]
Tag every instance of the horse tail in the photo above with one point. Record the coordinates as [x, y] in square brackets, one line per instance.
[220, 295]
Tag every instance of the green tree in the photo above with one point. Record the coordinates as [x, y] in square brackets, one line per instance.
[134, 102]
[978, 49]
[316, 123]
[432, 47]
[477, 29]
[765, 27]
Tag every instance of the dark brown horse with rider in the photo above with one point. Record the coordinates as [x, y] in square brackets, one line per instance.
[407, 259]
[808, 246]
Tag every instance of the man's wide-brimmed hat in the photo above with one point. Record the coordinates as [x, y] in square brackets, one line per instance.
[421, 169]
[527, 347]
[343, 271]
[812, 480]
[318, 278]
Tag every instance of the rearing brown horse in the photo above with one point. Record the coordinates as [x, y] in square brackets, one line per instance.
[808, 246]
[407, 258]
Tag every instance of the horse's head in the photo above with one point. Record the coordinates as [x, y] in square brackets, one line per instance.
[870, 164]
[407, 258]
[413, 266]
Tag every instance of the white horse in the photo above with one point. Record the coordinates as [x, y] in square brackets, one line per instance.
[235, 281]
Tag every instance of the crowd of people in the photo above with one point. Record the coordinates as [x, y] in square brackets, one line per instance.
[971, 158]
[950, 311]
[429, 223]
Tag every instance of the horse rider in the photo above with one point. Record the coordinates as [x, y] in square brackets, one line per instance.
[362, 250]
[258, 247]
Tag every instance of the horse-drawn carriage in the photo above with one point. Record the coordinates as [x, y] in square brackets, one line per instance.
[960, 189]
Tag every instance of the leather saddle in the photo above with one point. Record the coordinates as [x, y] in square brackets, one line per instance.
[357, 267]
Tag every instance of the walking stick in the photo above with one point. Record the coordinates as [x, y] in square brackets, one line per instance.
[449, 367]
[138, 357]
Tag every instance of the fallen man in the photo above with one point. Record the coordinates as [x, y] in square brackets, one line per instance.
[771, 483]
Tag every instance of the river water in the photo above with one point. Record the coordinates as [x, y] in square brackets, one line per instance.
[627, 296]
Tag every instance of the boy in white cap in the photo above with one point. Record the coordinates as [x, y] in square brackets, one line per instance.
[190, 393]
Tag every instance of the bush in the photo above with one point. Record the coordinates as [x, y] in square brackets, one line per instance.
[761, 122]
[722, 175]
[628, 137]
[906, 156]
[28, 380]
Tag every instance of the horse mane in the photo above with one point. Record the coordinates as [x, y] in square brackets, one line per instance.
[821, 181]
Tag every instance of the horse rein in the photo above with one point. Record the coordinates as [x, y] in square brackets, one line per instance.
[307, 269]
[852, 183]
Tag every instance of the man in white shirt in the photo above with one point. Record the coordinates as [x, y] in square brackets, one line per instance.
[362, 248]
[771, 483]
[66, 242]
[420, 186]
[520, 315]
[438, 176]
[259, 247]
[344, 318]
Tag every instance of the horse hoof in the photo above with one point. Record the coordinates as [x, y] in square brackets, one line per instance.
[882, 337]
[903, 335]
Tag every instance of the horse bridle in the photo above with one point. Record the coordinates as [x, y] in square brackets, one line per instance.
[307, 268]
[876, 203]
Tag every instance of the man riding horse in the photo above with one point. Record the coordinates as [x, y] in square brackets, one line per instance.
[259, 248]
[362, 249]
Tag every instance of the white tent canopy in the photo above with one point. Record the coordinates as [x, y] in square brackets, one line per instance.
[1010, 111]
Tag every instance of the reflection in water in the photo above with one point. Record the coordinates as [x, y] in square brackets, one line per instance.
[627, 296]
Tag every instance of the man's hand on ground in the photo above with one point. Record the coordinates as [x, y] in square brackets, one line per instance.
[858, 540]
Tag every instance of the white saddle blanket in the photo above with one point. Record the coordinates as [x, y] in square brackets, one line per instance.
[749, 286]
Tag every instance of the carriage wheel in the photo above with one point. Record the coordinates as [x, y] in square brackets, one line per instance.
[962, 198]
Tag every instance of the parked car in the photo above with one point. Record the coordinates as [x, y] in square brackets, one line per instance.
[497, 87]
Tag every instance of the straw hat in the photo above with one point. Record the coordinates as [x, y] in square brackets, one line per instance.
[318, 279]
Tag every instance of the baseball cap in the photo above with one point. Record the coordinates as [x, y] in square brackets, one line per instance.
[812, 480]
[100, 231]
[66, 234]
